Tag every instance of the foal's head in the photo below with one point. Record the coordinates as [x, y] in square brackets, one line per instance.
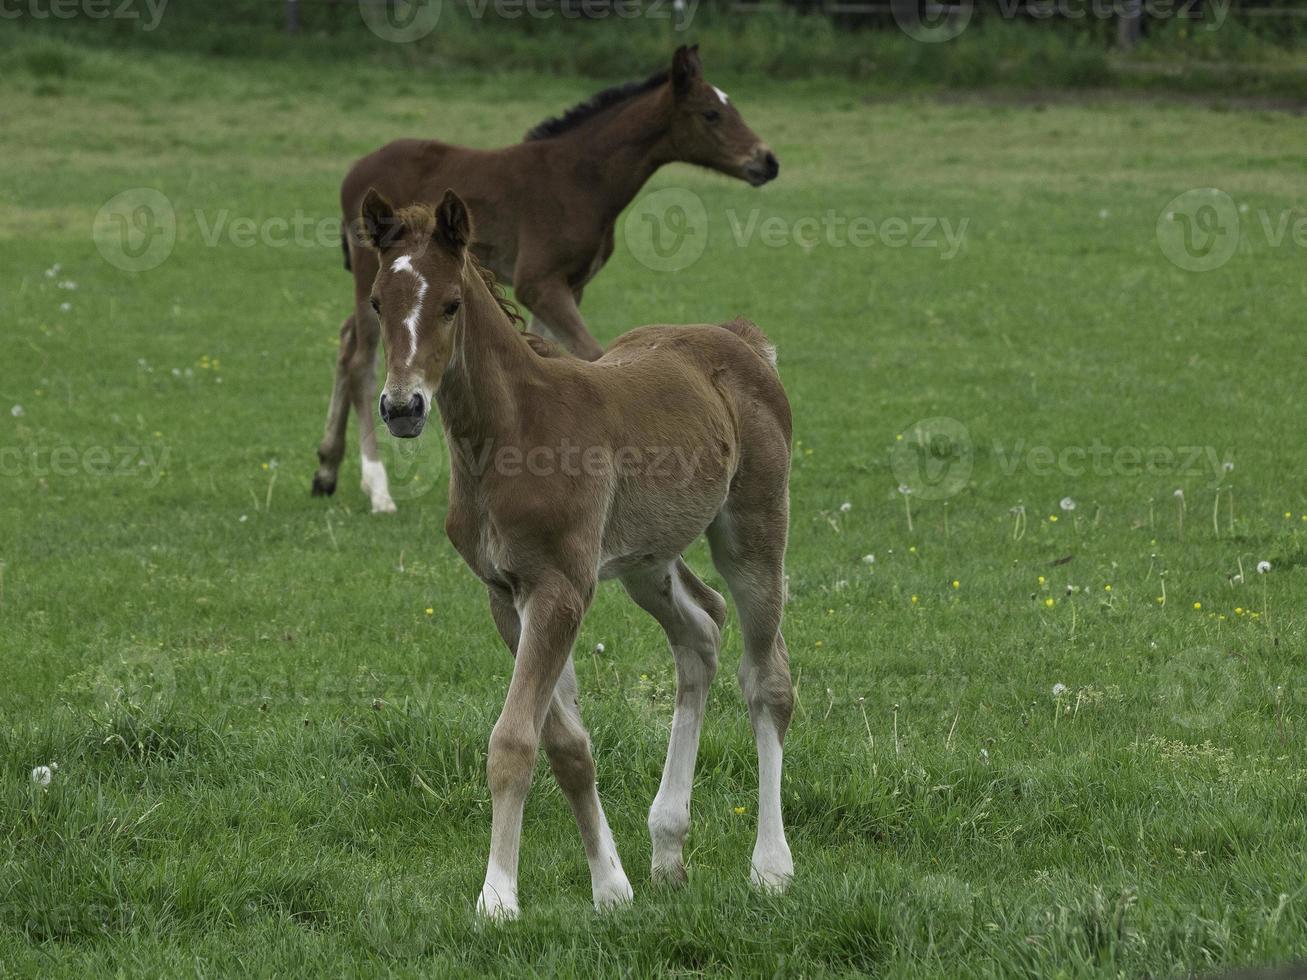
[708, 130]
[418, 294]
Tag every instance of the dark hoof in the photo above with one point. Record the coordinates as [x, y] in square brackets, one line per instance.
[323, 488]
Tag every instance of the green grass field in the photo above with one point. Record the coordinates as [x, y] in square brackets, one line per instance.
[1011, 756]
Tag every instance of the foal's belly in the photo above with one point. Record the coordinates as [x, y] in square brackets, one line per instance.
[653, 529]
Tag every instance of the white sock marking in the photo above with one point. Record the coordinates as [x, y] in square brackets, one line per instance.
[377, 487]
[772, 866]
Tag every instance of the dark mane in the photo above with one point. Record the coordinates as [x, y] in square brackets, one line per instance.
[592, 106]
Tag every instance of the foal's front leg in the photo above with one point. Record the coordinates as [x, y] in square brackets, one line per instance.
[551, 616]
[567, 744]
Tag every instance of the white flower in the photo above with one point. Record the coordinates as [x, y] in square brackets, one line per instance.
[53, 271]
[599, 648]
[904, 489]
[1263, 567]
[1228, 467]
[42, 775]
[845, 507]
[841, 585]
[67, 284]
[1238, 579]
[984, 756]
[1178, 493]
[869, 559]
[65, 307]
[17, 411]
[1067, 503]
[244, 518]
[1059, 689]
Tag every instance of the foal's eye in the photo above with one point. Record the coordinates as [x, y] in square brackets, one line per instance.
[453, 306]
[376, 306]
[712, 115]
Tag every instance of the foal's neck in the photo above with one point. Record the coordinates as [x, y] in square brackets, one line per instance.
[627, 145]
[479, 392]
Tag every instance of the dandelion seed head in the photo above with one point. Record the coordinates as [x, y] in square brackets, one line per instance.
[42, 775]
[1067, 504]
[1263, 567]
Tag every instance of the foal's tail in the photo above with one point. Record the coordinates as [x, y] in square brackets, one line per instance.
[751, 334]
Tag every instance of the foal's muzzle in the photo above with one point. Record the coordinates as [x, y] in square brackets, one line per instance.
[407, 419]
[763, 167]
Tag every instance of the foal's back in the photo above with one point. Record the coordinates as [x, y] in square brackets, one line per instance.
[686, 411]
[490, 181]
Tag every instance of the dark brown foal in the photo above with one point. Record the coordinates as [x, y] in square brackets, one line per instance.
[548, 207]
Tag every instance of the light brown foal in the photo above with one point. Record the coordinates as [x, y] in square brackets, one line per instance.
[565, 472]
[547, 210]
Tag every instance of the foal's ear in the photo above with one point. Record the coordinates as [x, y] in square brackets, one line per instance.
[380, 226]
[453, 223]
[686, 67]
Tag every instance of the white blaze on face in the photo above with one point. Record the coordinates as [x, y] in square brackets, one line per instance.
[721, 95]
[405, 264]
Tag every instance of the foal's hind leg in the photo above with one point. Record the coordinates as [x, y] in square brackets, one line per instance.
[363, 393]
[748, 548]
[332, 448]
[691, 614]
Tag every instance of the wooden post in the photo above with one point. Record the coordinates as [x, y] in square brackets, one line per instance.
[292, 16]
[1128, 25]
